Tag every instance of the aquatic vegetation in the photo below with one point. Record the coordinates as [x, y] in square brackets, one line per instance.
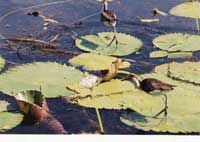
[95, 62]
[161, 54]
[175, 42]
[9, 118]
[50, 77]
[104, 81]
[98, 44]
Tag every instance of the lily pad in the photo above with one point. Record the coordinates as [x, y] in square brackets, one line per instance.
[160, 54]
[8, 120]
[95, 62]
[50, 77]
[98, 44]
[182, 112]
[187, 9]
[2, 63]
[109, 95]
[188, 72]
[177, 42]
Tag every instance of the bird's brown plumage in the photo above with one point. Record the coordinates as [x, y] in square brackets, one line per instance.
[151, 84]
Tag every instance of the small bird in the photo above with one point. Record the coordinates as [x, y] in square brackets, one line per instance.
[112, 71]
[109, 18]
[152, 85]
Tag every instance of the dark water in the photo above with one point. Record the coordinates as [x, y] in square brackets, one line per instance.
[77, 119]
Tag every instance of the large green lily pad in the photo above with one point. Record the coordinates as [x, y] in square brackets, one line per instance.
[187, 9]
[187, 71]
[110, 95]
[98, 44]
[8, 120]
[183, 107]
[50, 77]
[95, 62]
[177, 42]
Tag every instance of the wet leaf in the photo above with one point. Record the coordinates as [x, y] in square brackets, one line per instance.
[186, 55]
[32, 103]
[51, 77]
[177, 42]
[158, 54]
[9, 120]
[3, 106]
[98, 44]
[189, 72]
[109, 95]
[182, 113]
[2, 63]
[187, 9]
[95, 62]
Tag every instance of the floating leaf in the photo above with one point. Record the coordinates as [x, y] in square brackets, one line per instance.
[185, 55]
[177, 42]
[95, 62]
[51, 77]
[187, 71]
[158, 54]
[3, 106]
[8, 120]
[187, 9]
[182, 113]
[33, 104]
[98, 44]
[109, 95]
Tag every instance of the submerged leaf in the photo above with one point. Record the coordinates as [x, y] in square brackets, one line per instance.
[177, 42]
[50, 77]
[95, 62]
[98, 44]
[187, 9]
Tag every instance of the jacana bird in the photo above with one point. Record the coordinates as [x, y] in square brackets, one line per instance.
[152, 85]
[109, 19]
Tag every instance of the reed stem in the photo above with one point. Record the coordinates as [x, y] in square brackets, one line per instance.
[196, 19]
[98, 114]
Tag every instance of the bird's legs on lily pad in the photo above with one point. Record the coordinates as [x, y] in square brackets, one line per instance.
[164, 110]
[114, 38]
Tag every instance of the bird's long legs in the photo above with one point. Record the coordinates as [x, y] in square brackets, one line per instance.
[164, 110]
[114, 38]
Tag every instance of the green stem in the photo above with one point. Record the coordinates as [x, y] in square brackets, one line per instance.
[98, 114]
[197, 21]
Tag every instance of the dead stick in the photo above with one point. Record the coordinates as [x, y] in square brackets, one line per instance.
[33, 41]
[59, 51]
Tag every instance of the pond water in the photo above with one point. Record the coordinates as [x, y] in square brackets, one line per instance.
[77, 119]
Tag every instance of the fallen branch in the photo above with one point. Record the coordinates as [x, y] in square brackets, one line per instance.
[59, 51]
[35, 42]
